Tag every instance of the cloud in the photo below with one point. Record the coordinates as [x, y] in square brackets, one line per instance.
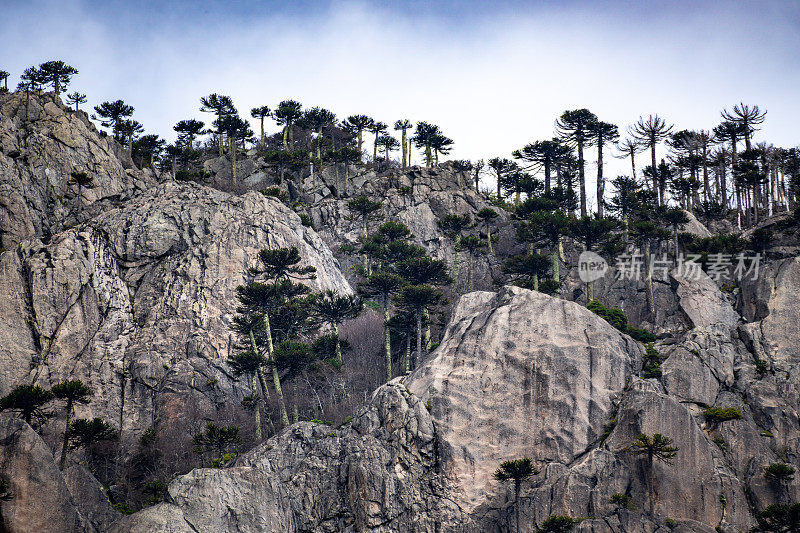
[494, 78]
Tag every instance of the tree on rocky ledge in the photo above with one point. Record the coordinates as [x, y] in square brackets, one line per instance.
[112, 114]
[333, 309]
[76, 99]
[403, 126]
[29, 401]
[573, 129]
[516, 470]
[58, 74]
[656, 447]
[220, 106]
[261, 113]
[356, 124]
[287, 114]
[71, 392]
[418, 299]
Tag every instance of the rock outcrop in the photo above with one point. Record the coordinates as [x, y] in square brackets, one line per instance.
[138, 302]
[42, 143]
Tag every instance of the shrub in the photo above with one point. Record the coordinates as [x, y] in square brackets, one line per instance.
[276, 192]
[717, 415]
[779, 472]
[306, 221]
[558, 524]
[651, 363]
[623, 501]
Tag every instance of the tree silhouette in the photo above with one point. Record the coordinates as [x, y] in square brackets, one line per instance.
[516, 470]
[189, 129]
[471, 244]
[4, 78]
[383, 285]
[112, 114]
[650, 132]
[388, 144]
[220, 106]
[261, 113]
[423, 139]
[282, 263]
[357, 124]
[526, 269]
[317, 119]
[403, 126]
[601, 133]
[236, 129]
[128, 131]
[747, 118]
[477, 167]
[58, 74]
[542, 154]
[76, 99]
[377, 128]
[29, 401]
[440, 144]
[572, 127]
[501, 167]
[629, 148]
[71, 392]
[333, 309]
[656, 447]
[750, 176]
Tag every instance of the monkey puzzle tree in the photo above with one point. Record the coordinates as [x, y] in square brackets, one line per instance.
[317, 119]
[750, 176]
[440, 144]
[423, 139]
[649, 133]
[189, 129]
[217, 439]
[333, 309]
[383, 285]
[85, 433]
[76, 99]
[261, 113]
[477, 167]
[220, 106]
[572, 128]
[363, 208]
[389, 144]
[128, 131]
[501, 167]
[294, 358]
[592, 232]
[29, 401]
[518, 471]
[747, 118]
[71, 392]
[112, 114]
[58, 74]
[648, 235]
[526, 269]
[629, 148]
[83, 181]
[418, 299]
[626, 200]
[4, 79]
[486, 217]
[471, 244]
[357, 124]
[146, 149]
[673, 218]
[545, 226]
[403, 126]
[601, 133]
[656, 447]
[249, 362]
[236, 129]
[780, 474]
[377, 128]
[542, 154]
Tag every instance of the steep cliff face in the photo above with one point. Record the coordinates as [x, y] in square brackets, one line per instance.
[42, 143]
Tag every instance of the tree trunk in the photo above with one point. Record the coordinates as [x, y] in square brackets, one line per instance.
[285, 137]
[419, 335]
[405, 149]
[360, 142]
[276, 380]
[656, 188]
[338, 343]
[387, 337]
[600, 183]
[650, 301]
[232, 149]
[407, 355]
[257, 410]
[65, 444]
[633, 164]
[582, 176]
[489, 238]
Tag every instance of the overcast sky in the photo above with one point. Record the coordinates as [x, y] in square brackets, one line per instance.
[493, 75]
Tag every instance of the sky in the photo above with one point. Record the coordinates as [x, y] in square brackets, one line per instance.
[493, 75]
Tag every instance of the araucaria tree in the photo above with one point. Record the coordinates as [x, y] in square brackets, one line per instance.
[58, 74]
[112, 114]
[76, 99]
[383, 285]
[357, 124]
[71, 392]
[518, 471]
[29, 401]
[649, 133]
[287, 114]
[376, 128]
[220, 106]
[261, 113]
[572, 127]
[657, 447]
[333, 309]
[418, 299]
[600, 134]
[747, 118]
[403, 126]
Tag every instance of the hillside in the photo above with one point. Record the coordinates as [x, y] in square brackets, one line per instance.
[130, 286]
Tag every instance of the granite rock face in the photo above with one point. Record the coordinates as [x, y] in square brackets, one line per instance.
[138, 302]
[42, 143]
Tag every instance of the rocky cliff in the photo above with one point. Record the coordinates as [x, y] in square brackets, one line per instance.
[129, 286]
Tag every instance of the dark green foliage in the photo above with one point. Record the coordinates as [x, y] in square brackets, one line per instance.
[84, 433]
[281, 263]
[761, 367]
[617, 318]
[276, 192]
[453, 225]
[656, 447]
[779, 518]
[124, 508]
[217, 439]
[779, 472]
[718, 244]
[306, 221]
[523, 269]
[517, 470]
[294, 357]
[324, 346]
[154, 492]
[364, 208]
[651, 363]
[558, 524]
[29, 401]
[393, 231]
[57, 74]
[761, 240]
[623, 501]
[717, 415]
[424, 270]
